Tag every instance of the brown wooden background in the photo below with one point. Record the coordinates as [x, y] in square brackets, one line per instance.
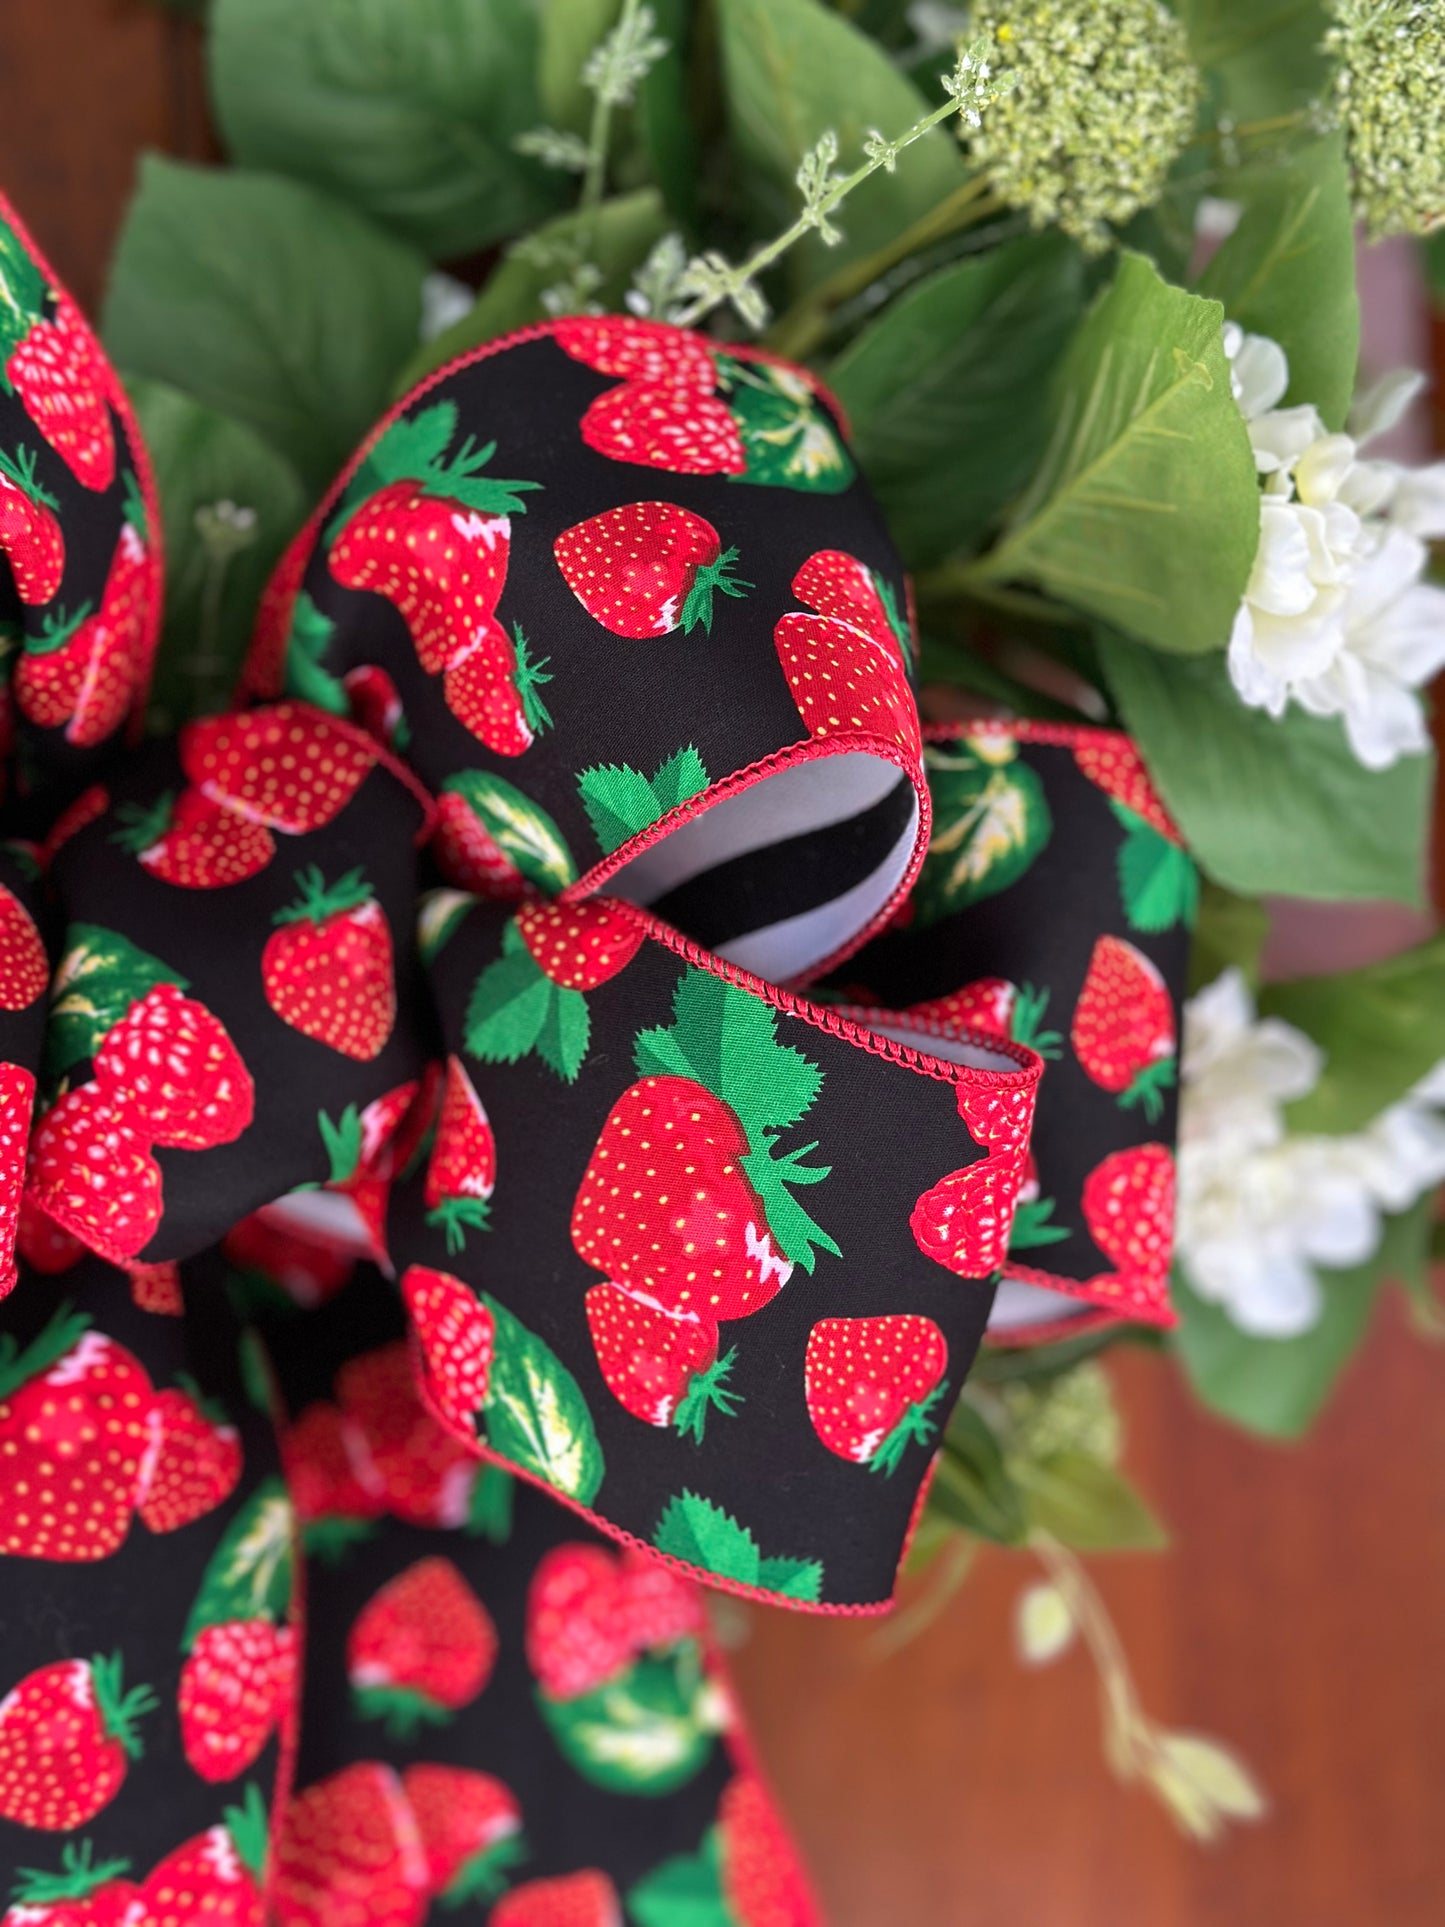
[1301, 1615]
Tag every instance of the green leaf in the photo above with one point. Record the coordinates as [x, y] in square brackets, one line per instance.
[1145, 510]
[535, 1414]
[991, 820]
[792, 70]
[1265, 806]
[973, 1488]
[1262, 55]
[216, 567]
[695, 1530]
[562, 1040]
[1278, 1386]
[1229, 930]
[266, 301]
[99, 977]
[1087, 1504]
[948, 390]
[405, 110]
[614, 237]
[510, 1002]
[521, 829]
[1381, 1029]
[793, 1578]
[788, 438]
[1157, 880]
[667, 130]
[682, 1892]
[249, 1574]
[1288, 271]
[725, 1038]
[646, 1732]
[621, 802]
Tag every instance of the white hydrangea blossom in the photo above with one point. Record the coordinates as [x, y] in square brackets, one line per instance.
[1336, 616]
[1260, 1209]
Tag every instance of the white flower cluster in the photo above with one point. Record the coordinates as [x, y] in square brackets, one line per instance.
[1258, 1208]
[1337, 616]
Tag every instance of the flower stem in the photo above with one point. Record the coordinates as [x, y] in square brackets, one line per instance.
[738, 277]
[1127, 1732]
[598, 134]
[805, 324]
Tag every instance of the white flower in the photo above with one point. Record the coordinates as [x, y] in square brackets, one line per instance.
[1336, 617]
[1260, 1209]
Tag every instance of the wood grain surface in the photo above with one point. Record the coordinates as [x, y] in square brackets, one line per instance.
[1300, 1614]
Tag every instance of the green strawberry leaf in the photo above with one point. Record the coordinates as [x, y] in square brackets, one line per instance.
[520, 828]
[489, 1514]
[1033, 1226]
[342, 1139]
[535, 1413]
[793, 1578]
[509, 1004]
[695, 1530]
[620, 801]
[990, 821]
[685, 1891]
[249, 1574]
[788, 439]
[562, 1040]
[306, 647]
[647, 1731]
[99, 977]
[1157, 879]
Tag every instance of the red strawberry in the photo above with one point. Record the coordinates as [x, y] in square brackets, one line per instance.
[327, 970]
[308, 1273]
[375, 704]
[684, 430]
[580, 945]
[422, 1648]
[45, 1246]
[193, 1464]
[157, 1288]
[578, 1635]
[17, 1103]
[57, 369]
[192, 842]
[872, 1385]
[85, 1893]
[237, 1682]
[429, 532]
[469, 856]
[469, 1825]
[1123, 1030]
[964, 1222]
[289, 766]
[84, 673]
[30, 536]
[91, 1169]
[457, 1335]
[647, 351]
[73, 1435]
[847, 668]
[647, 568]
[994, 1006]
[666, 1208]
[586, 1899]
[329, 1472]
[661, 1366]
[999, 1117]
[1113, 763]
[658, 1606]
[215, 1877]
[762, 1878]
[350, 1855]
[67, 1735]
[425, 1474]
[492, 689]
[462, 1171]
[170, 1069]
[1128, 1204]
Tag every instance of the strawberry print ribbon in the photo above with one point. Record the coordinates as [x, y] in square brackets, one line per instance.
[564, 1048]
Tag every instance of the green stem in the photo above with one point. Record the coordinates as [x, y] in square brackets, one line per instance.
[738, 278]
[1127, 1732]
[974, 579]
[1252, 129]
[598, 134]
[805, 324]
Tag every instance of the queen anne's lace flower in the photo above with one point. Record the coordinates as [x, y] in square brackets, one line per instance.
[1336, 616]
[1389, 92]
[1105, 98]
[1260, 1209]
